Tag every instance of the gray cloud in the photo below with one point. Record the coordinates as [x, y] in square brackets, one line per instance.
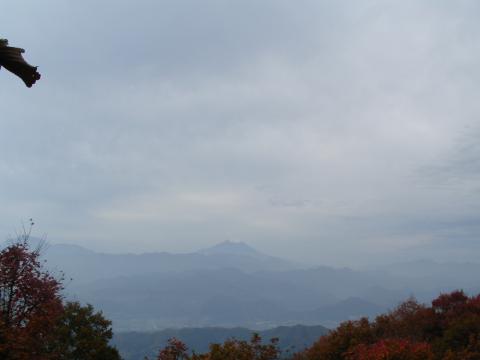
[302, 128]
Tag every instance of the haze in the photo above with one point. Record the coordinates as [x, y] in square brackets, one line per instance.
[327, 132]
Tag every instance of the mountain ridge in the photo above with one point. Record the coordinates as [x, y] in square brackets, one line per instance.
[85, 265]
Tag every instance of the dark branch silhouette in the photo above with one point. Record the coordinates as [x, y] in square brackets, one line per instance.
[11, 59]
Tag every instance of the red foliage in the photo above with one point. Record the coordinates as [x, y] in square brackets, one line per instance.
[391, 349]
[30, 303]
[450, 304]
[448, 330]
[175, 350]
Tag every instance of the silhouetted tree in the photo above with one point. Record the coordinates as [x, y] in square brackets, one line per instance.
[83, 334]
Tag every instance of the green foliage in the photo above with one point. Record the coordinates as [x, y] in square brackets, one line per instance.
[83, 334]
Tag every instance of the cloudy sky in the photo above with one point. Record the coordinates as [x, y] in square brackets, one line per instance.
[335, 132]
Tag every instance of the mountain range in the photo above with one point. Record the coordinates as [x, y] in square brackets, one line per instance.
[83, 265]
[232, 284]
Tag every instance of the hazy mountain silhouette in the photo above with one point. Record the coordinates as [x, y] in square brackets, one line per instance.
[232, 248]
[83, 265]
[232, 284]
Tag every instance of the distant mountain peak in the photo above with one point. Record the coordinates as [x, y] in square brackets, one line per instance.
[231, 248]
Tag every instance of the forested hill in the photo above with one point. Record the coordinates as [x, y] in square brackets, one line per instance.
[137, 345]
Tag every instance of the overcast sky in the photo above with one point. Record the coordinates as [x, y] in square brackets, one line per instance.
[334, 132]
